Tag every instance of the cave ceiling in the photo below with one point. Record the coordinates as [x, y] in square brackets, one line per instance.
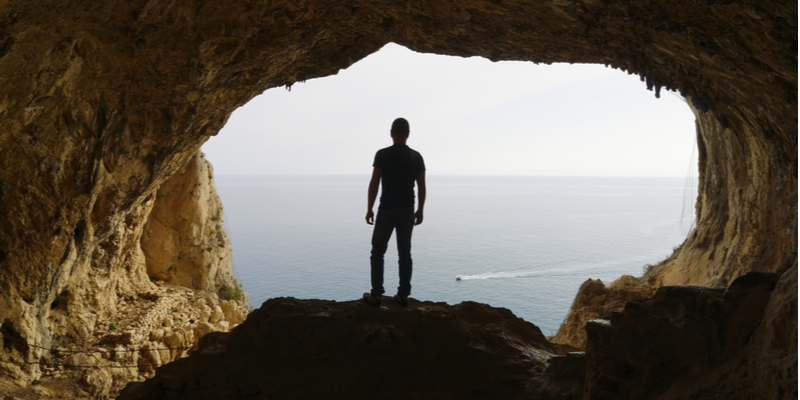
[100, 102]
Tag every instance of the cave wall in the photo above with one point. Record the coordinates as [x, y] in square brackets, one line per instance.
[184, 241]
[100, 103]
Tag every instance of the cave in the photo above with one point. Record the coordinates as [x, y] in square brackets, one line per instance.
[103, 103]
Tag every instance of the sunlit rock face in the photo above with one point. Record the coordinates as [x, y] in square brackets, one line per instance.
[100, 103]
[123, 298]
[184, 241]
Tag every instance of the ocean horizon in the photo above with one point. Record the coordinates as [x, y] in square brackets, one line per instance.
[525, 243]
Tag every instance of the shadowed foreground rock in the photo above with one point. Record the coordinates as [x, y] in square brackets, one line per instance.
[102, 102]
[681, 332]
[685, 342]
[314, 349]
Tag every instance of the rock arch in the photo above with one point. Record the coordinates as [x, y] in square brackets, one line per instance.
[101, 103]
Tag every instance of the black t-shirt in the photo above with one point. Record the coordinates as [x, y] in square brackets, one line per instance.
[400, 166]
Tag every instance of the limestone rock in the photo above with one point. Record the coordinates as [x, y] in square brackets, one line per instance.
[97, 382]
[679, 335]
[320, 349]
[596, 301]
[184, 241]
[101, 103]
[766, 367]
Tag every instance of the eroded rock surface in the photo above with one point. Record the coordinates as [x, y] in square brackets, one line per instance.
[148, 330]
[184, 241]
[102, 102]
[766, 366]
[596, 301]
[126, 321]
[313, 349]
[684, 342]
[678, 335]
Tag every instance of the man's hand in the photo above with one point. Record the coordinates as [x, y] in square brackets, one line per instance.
[423, 192]
[418, 217]
[372, 193]
[370, 217]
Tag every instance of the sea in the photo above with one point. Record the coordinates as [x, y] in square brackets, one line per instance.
[525, 243]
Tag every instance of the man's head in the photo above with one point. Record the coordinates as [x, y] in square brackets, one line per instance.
[400, 128]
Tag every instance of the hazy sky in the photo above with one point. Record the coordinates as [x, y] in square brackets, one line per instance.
[467, 116]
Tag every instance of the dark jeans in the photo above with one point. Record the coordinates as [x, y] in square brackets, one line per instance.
[401, 220]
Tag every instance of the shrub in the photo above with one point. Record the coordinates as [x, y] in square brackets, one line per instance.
[647, 268]
[233, 292]
[677, 248]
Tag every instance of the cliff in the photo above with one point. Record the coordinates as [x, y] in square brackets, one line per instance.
[683, 342]
[132, 314]
[184, 241]
[101, 103]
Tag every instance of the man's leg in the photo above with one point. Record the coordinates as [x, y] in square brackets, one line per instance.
[380, 240]
[405, 225]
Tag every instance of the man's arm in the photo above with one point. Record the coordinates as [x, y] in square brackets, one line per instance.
[422, 191]
[372, 193]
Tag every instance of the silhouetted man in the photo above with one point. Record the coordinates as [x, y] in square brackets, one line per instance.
[395, 169]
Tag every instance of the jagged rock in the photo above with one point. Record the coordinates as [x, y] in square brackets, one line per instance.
[184, 240]
[594, 300]
[680, 334]
[563, 379]
[766, 367]
[320, 349]
[102, 103]
[149, 359]
[96, 382]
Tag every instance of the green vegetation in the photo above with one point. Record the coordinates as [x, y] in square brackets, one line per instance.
[677, 248]
[111, 326]
[234, 292]
[35, 382]
[218, 215]
[647, 268]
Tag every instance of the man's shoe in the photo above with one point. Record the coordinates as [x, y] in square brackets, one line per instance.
[401, 299]
[374, 301]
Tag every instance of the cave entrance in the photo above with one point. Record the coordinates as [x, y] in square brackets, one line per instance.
[568, 142]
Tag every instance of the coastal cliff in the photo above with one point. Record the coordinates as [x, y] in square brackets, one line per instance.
[184, 241]
[102, 103]
[132, 315]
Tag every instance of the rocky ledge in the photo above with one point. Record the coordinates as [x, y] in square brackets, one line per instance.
[315, 349]
[149, 329]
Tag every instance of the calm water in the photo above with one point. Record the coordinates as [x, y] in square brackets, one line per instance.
[523, 243]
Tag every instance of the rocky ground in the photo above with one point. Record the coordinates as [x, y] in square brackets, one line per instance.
[103, 102]
[682, 337]
[314, 349]
[151, 329]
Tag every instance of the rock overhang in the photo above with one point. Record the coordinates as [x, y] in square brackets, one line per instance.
[101, 103]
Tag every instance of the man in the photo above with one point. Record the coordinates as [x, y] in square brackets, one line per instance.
[396, 169]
